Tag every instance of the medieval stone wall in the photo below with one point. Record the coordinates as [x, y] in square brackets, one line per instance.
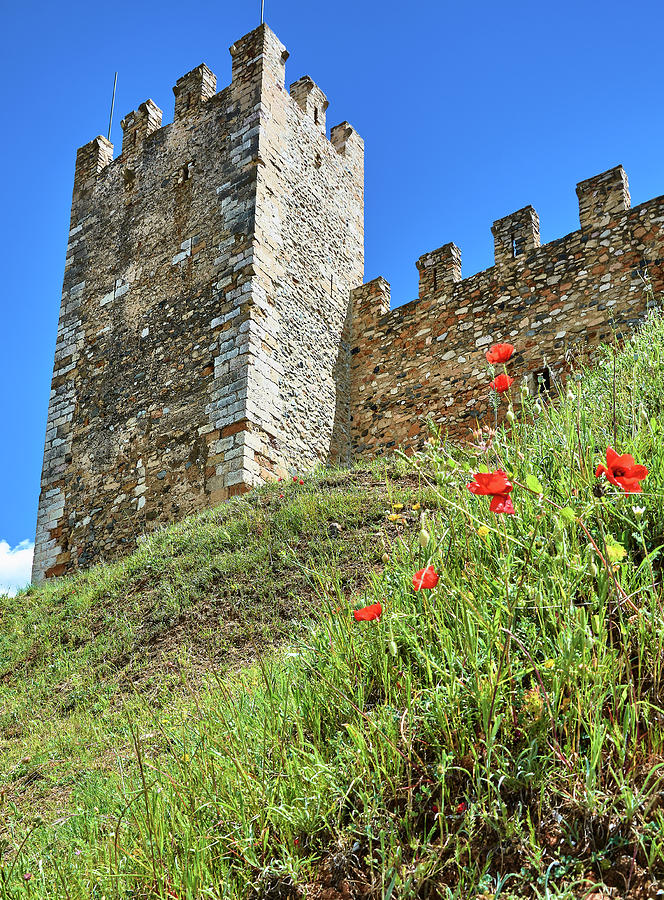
[189, 323]
[426, 358]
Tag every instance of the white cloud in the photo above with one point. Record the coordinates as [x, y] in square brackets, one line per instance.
[15, 566]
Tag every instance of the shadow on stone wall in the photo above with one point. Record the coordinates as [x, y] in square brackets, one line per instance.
[340, 443]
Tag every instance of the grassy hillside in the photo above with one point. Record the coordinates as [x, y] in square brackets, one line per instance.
[207, 718]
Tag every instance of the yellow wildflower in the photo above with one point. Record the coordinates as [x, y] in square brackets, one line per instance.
[615, 551]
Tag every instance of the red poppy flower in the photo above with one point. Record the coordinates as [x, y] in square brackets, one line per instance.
[501, 383]
[368, 613]
[499, 353]
[295, 478]
[425, 578]
[462, 807]
[502, 503]
[301, 482]
[622, 471]
[497, 486]
[490, 483]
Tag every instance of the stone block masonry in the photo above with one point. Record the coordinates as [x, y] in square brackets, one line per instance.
[205, 294]
[426, 358]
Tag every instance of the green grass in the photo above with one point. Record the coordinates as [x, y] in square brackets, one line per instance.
[206, 719]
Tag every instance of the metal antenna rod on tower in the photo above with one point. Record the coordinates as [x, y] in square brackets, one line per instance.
[110, 118]
[262, 10]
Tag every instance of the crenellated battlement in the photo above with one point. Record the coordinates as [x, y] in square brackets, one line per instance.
[439, 270]
[311, 100]
[427, 356]
[259, 58]
[91, 159]
[517, 237]
[192, 90]
[138, 125]
[602, 197]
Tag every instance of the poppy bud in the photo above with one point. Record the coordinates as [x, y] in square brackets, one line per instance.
[385, 557]
[392, 647]
[424, 538]
[509, 415]
[570, 394]
[643, 414]
[592, 568]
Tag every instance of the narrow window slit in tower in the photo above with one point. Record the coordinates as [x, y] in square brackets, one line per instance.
[542, 381]
[539, 382]
[316, 115]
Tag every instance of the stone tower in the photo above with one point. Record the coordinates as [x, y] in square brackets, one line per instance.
[206, 288]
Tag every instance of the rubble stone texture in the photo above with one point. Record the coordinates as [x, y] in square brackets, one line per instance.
[214, 329]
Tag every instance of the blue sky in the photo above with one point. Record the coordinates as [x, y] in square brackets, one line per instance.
[469, 111]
